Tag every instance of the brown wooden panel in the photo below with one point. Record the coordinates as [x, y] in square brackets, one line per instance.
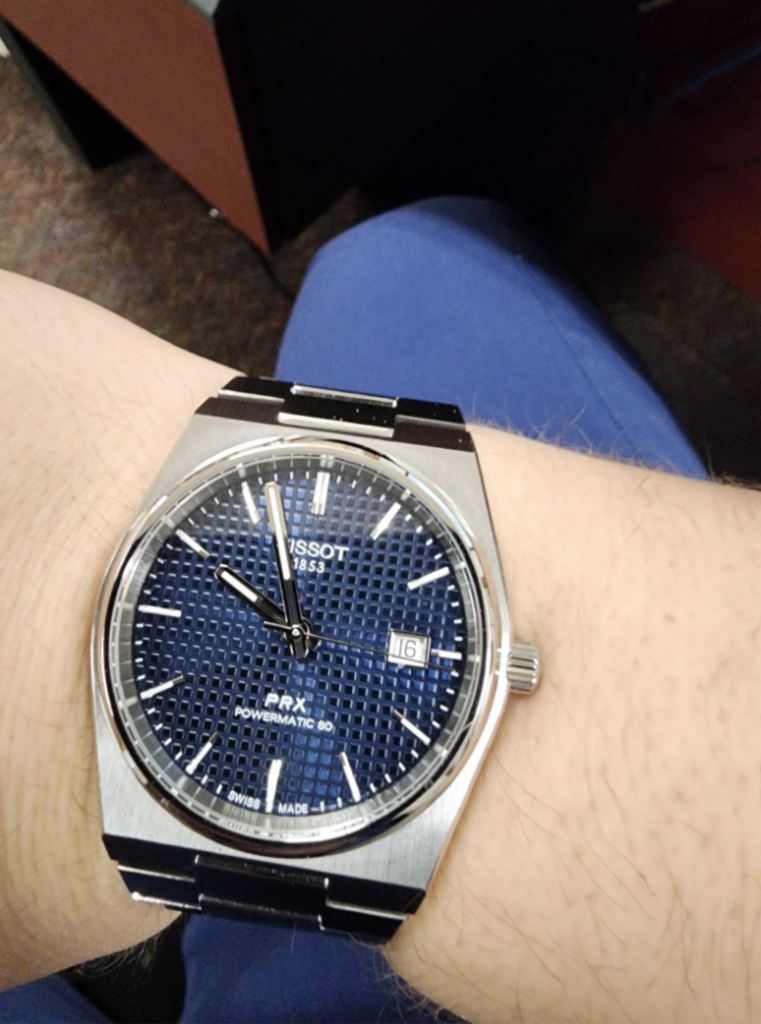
[156, 66]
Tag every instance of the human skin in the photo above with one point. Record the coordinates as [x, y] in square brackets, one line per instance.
[608, 863]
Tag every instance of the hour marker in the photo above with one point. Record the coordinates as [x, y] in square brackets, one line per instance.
[202, 753]
[152, 609]
[154, 690]
[320, 496]
[421, 581]
[412, 728]
[192, 544]
[452, 655]
[353, 787]
[385, 522]
[248, 498]
[273, 775]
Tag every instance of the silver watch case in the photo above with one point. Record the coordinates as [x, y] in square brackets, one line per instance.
[407, 852]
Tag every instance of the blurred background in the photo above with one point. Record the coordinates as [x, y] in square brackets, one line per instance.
[180, 162]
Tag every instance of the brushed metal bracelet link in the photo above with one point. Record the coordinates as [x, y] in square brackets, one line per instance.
[249, 890]
[405, 420]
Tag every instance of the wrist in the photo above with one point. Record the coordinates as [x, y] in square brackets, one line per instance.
[114, 401]
[599, 871]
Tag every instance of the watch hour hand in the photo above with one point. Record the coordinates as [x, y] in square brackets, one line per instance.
[259, 601]
[284, 562]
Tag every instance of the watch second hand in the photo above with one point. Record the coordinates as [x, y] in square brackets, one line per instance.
[309, 635]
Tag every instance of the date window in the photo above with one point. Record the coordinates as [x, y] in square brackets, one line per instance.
[408, 649]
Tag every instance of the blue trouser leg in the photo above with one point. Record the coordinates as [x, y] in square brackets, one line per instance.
[48, 1001]
[448, 299]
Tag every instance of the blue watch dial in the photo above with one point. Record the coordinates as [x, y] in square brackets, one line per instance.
[296, 641]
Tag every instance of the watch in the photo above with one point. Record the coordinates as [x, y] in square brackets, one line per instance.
[301, 651]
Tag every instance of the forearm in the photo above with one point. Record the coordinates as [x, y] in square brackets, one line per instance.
[608, 862]
[89, 409]
[608, 866]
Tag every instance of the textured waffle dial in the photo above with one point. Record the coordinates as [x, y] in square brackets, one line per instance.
[237, 722]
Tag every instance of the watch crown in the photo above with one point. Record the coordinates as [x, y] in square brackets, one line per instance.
[524, 667]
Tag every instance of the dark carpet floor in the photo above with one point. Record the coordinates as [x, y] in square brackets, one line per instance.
[134, 238]
[699, 334]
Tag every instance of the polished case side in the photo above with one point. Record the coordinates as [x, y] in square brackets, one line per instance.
[406, 854]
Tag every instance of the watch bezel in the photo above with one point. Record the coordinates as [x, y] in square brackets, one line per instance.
[343, 829]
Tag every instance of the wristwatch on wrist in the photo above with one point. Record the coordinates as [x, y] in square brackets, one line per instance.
[300, 654]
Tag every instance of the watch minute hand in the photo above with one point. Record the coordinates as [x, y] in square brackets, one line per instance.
[259, 601]
[284, 562]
